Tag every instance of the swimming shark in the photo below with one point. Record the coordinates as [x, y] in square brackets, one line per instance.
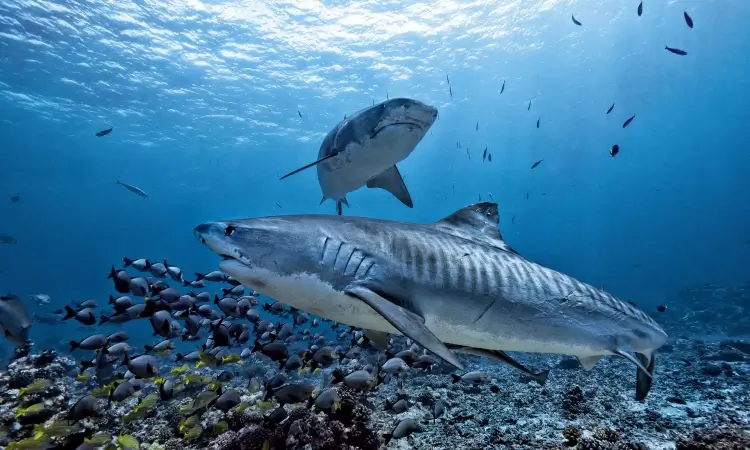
[364, 148]
[450, 285]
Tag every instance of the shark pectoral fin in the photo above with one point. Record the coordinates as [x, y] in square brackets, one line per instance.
[634, 360]
[391, 181]
[499, 355]
[588, 362]
[379, 338]
[314, 163]
[643, 379]
[405, 321]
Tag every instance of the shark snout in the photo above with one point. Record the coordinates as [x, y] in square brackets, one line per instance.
[213, 234]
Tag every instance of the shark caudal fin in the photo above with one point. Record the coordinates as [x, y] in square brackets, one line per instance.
[644, 379]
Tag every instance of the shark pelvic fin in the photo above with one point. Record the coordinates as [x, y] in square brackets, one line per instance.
[588, 362]
[391, 181]
[643, 379]
[478, 222]
[409, 324]
[499, 355]
[314, 163]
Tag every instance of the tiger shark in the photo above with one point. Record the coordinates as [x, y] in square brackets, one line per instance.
[364, 148]
[453, 285]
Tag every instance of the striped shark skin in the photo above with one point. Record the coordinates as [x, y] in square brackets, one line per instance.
[454, 285]
[364, 148]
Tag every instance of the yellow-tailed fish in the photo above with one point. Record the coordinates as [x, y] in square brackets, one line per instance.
[57, 428]
[83, 377]
[136, 414]
[192, 378]
[208, 359]
[33, 409]
[37, 385]
[230, 358]
[242, 406]
[180, 370]
[193, 433]
[188, 423]
[219, 427]
[127, 441]
[99, 439]
[148, 401]
[30, 444]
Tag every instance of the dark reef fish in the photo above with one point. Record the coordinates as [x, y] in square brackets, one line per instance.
[688, 19]
[614, 150]
[627, 122]
[576, 21]
[640, 9]
[134, 189]
[676, 51]
[104, 132]
[7, 239]
[534, 166]
[611, 108]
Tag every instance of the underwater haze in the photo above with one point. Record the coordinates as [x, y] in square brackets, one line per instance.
[210, 102]
[203, 98]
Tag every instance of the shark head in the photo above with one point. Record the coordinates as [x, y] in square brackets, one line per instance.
[370, 142]
[253, 250]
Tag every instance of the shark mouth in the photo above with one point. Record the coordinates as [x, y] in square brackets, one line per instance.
[378, 130]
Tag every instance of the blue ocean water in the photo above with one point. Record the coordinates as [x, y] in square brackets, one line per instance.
[204, 99]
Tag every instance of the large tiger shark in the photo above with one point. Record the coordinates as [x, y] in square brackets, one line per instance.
[454, 284]
[364, 148]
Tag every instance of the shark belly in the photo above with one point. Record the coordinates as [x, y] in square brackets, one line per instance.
[361, 161]
[307, 292]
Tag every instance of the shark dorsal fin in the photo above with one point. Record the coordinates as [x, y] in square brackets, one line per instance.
[478, 222]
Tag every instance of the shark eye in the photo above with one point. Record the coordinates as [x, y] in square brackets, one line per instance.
[382, 107]
[229, 230]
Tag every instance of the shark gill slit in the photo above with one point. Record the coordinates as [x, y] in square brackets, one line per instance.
[323, 250]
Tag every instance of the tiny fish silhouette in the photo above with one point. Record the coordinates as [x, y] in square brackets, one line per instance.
[676, 51]
[477, 129]
[575, 21]
[534, 166]
[627, 122]
[614, 150]
[489, 157]
[300, 114]
[134, 189]
[527, 196]
[611, 108]
[529, 108]
[688, 19]
[513, 219]
[502, 89]
[104, 132]
[449, 80]
[640, 9]
[484, 155]
[450, 90]
[537, 122]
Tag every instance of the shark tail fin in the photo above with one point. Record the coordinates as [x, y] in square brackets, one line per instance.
[392, 181]
[643, 378]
